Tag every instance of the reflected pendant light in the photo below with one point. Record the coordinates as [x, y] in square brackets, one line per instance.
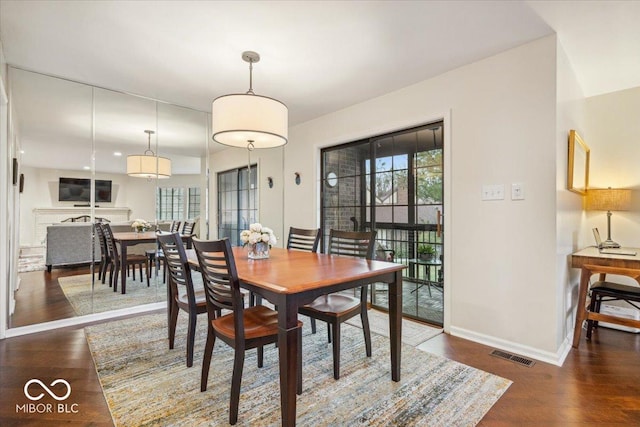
[148, 165]
[248, 120]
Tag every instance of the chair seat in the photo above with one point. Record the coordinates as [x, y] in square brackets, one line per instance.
[616, 290]
[334, 304]
[259, 321]
[199, 294]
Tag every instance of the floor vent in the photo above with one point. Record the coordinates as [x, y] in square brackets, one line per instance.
[513, 358]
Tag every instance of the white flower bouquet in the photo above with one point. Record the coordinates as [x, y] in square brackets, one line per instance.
[140, 225]
[259, 239]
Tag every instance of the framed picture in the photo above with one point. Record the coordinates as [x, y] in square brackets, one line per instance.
[578, 170]
[15, 171]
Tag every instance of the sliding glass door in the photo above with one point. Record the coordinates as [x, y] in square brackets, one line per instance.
[393, 184]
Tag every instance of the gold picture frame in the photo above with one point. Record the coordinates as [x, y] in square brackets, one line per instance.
[578, 170]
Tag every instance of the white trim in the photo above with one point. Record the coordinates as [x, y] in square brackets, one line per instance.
[556, 358]
[4, 219]
[80, 320]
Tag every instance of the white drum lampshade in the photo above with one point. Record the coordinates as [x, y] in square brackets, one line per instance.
[238, 119]
[148, 166]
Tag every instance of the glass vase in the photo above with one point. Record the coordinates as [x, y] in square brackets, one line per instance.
[259, 251]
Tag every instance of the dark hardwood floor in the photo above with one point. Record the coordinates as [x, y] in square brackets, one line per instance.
[599, 383]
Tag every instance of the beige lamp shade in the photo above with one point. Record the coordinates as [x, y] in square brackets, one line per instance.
[608, 199]
[240, 119]
[148, 166]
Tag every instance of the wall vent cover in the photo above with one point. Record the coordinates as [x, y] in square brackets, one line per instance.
[513, 358]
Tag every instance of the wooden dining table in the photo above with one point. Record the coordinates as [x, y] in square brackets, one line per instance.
[131, 238]
[126, 239]
[289, 279]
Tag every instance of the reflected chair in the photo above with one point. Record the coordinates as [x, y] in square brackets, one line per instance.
[243, 328]
[187, 228]
[182, 295]
[104, 252]
[114, 258]
[338, 307]
[175, 227]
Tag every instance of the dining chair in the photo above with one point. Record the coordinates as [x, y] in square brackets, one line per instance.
[104, 252]
[182, 294]
[114, 258]
[243, 328]
[304, 240]
[338, 307]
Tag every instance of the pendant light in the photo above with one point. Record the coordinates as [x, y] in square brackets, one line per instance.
[248, 120]
[148, 165]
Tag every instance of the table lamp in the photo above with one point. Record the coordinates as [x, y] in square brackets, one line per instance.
[609, 199]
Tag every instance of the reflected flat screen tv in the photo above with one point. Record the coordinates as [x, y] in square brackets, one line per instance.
[79, 190]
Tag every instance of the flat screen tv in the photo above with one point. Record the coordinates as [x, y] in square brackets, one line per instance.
[79, 190]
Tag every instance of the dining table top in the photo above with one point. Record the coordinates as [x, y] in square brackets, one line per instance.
[290, 271]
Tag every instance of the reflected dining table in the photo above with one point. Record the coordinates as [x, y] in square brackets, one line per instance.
[126, 239]
[131, 238]
[289, 279]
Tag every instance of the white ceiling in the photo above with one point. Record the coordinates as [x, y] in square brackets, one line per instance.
[317, 56]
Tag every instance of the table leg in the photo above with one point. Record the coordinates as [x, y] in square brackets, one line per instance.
[395, 324]
[581, 310]
[123, 267]
[288, 351]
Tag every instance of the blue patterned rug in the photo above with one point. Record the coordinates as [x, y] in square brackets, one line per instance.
[145, 383]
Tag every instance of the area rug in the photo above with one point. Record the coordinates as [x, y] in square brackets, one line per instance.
[78, 291]
[146, 384]
[413, 333]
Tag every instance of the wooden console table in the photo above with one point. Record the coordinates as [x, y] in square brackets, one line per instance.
[591, 262]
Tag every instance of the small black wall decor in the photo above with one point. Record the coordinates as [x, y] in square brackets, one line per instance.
[21, 182]
[15, 171]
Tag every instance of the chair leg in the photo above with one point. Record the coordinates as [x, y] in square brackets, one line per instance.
[236, 380]
[260, 356]
[191, 337]
[206, 360]
[336, 350]
[364, 317]
[172, 323]
[328, 333]
[313, 325]
[140, 270]
[299, 391]
[116, 272]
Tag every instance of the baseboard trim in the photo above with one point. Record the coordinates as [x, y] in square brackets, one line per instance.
[86, 319]
[523, 350]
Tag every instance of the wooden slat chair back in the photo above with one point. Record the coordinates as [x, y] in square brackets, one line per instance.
[104, 252]
[183, 295]
[175, 226]
[357, 244]
[243, 328]
[188, 227]
[303, 239]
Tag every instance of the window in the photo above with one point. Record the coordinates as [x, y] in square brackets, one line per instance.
[170, 203]
[237, 202]
[193, 204]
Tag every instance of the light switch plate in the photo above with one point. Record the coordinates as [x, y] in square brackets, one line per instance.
[493, 192]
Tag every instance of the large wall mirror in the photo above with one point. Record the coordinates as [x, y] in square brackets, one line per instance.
[71, 130]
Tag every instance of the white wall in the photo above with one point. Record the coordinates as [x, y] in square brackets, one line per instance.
[571, 230]
[500, 277]
[137, 194]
